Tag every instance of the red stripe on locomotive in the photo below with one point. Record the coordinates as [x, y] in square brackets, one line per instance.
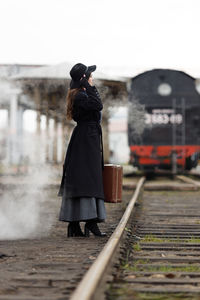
[157, 155]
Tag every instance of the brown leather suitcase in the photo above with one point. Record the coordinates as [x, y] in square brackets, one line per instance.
[112, 183]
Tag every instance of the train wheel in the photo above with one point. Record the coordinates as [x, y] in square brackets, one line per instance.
[149, 172]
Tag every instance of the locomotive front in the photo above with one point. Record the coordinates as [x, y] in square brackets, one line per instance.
[163, 120]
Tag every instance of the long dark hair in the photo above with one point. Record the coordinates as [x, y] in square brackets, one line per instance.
[70, 98]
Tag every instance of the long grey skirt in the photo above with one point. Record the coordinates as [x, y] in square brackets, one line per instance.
[82, 209]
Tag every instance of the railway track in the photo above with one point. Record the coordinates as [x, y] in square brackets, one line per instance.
[158, 254]
[51, 266]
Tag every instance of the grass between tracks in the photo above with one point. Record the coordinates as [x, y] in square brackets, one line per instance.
[153, 239]
[126, 292]
[151, 296]
[139, 265]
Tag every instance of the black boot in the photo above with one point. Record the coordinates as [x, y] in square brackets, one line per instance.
[78, 231]
[74, 229]
[92, 226]
[70, 230]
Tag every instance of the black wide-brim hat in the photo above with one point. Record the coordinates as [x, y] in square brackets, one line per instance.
[77, 73]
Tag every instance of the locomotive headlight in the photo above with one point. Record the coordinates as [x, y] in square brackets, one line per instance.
[164, 89]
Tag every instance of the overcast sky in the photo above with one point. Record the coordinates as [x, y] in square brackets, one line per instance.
[130, 34]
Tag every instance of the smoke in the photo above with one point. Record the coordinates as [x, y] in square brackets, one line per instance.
[27, 211]
[111, 101]
[136, 120]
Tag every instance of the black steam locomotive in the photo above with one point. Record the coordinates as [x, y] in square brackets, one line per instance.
[164, 120]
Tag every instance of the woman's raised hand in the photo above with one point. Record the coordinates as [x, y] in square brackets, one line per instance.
[84, 82]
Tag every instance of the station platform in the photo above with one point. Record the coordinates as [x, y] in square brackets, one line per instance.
[38, 261]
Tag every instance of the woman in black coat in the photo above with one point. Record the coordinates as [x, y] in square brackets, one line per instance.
[82, 186]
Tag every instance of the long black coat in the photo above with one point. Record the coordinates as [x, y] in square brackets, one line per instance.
[82, 169]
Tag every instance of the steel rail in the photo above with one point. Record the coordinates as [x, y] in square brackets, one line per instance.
[87, 286]
[188, 180]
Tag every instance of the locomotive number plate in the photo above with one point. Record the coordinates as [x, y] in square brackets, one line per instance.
[163, 118]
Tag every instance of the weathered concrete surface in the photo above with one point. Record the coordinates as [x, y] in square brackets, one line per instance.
[50, 265]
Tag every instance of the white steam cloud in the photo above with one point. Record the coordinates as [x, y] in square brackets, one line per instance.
[27, 211]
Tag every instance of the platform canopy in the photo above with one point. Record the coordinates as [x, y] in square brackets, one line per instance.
[61, 71]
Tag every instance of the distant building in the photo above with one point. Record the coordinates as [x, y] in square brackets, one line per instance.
[42, 90]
